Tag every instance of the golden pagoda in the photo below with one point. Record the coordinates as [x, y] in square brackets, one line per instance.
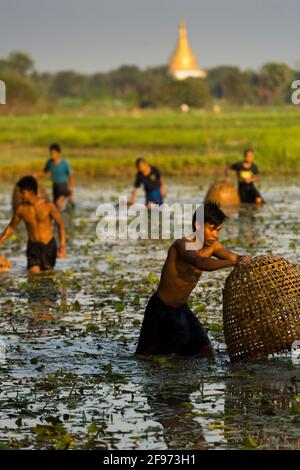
[183, 62]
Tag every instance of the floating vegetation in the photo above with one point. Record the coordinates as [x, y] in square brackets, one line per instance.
[69, 377]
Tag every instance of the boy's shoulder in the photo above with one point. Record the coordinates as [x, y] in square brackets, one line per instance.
[44, 203]
[66, 165]
[175, 245]
[188, 242]
[181, 241]
[238, 165]
[48, 165]
[47, 203]
[20, 208]
[154, 169]
[217, 244]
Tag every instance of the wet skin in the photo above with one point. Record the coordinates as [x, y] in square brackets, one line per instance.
[183, 267]
[38, 215]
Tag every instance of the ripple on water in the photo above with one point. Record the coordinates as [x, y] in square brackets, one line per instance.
[68, 374]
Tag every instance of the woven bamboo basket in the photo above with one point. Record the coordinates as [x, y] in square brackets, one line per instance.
[5, 264]
[261, 308]
[223, 192]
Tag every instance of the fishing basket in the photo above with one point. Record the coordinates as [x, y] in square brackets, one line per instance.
[261, 308]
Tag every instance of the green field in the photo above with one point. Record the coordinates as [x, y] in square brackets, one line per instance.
[200, 143]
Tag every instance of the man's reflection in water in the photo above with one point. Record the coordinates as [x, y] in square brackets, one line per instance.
[46, 300]
[168, 395]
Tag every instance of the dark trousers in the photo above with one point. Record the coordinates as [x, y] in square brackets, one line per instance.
[167, 330]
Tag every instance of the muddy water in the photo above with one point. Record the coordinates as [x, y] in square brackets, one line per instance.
[69, 378]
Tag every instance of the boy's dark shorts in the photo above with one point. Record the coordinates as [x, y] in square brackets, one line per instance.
[248, 193]
[167, 330]
[155, 197]
[39, 254]
[60, 189]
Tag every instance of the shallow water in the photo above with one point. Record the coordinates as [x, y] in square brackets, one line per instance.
[68, 374]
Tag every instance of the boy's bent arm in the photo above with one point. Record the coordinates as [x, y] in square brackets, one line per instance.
[56, 216]
[163, 188]
[8, 231]
[39, 174]
[256, 179]
[71, 182]
[71, 185]
[204, 264]
[221, 252]
[133, 196]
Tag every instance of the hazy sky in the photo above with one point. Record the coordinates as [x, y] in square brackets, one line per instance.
[98, 35]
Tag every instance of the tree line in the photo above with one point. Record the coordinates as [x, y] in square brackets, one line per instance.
[129, 86]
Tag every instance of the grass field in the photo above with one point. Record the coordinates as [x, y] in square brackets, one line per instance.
[194, 144]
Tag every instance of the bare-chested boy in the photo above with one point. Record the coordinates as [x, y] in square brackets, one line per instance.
[38, 215]
[169, 325]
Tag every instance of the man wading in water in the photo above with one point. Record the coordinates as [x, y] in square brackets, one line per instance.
[169, 325]
[37, 214]
[61, 175]
[247, 174]
[149, 176]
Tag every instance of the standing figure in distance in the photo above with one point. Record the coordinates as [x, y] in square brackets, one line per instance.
[38, 215]
[248, 174]
[149, 176]
[61, 176]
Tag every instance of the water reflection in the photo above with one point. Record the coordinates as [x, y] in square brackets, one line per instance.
[169, 398]
[46, 301]
[194, 405]
[264, 406]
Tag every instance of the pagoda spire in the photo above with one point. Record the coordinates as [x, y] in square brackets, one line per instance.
[183, 62]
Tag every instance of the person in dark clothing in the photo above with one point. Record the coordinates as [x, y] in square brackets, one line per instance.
[38, 215]
[168, 330]
[247, 174]
[169, 326]
[149, 176]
